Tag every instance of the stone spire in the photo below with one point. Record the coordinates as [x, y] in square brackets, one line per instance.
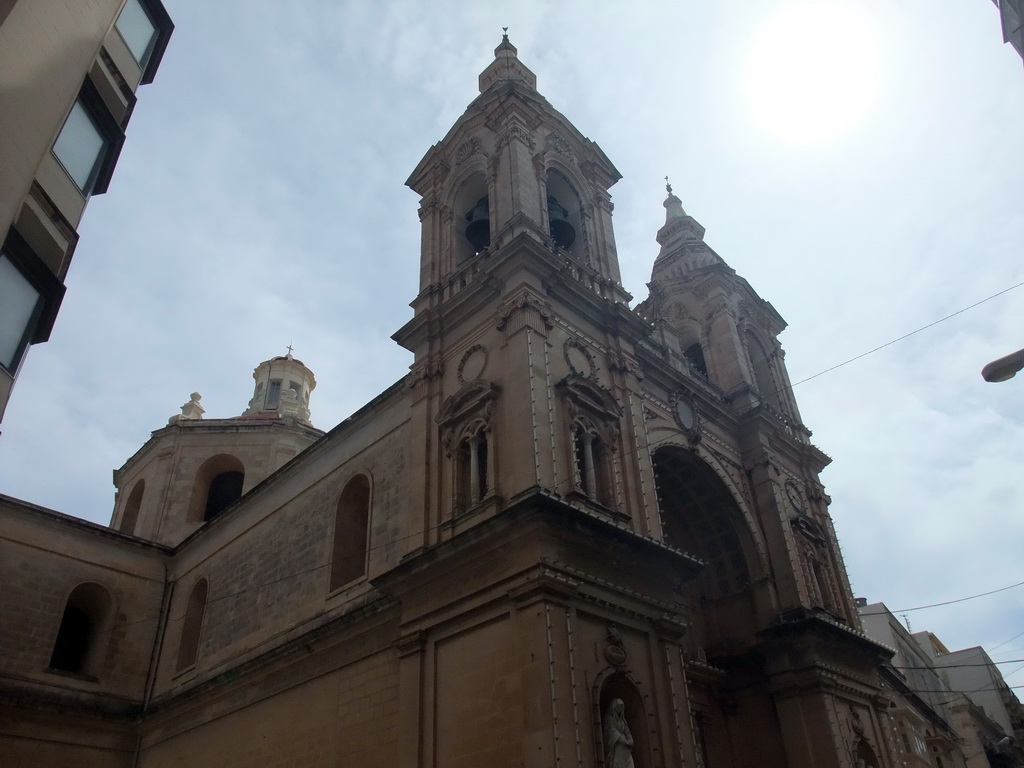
[680, 233]
[507, 68]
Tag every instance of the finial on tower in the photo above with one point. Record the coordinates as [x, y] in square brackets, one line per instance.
[289, 350]
[673, 205]
[507, 67]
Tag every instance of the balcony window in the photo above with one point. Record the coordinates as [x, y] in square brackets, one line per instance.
[138, 30]
[20, 304]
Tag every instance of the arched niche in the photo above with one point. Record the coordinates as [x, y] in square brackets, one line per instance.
[218, 484]
[466, 206]
[618, 686]
[700, 516]
[192, 625]
[561, 192]
[351, 532]
[130, 515]
[79, 645]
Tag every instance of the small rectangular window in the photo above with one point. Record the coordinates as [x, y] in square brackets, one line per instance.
[138, 31]
[81, 147]
[273, 394]
[20, 303]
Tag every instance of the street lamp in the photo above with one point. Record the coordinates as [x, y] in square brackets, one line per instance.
[1004, 368]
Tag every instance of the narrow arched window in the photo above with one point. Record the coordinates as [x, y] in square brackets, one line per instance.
[225, 490]
[471, 472]
[192, 625]
[130, 516]
[593, 465]
[76, 648]
[351, 526]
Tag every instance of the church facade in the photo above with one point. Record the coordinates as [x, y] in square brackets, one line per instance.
[575, 533]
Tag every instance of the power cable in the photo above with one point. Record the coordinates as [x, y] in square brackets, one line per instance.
[901, 338]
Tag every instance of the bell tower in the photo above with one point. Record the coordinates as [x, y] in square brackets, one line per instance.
[517, 328]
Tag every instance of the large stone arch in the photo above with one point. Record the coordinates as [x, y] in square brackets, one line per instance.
[702, 515]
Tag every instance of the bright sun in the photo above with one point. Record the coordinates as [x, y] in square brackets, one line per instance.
[812, 71]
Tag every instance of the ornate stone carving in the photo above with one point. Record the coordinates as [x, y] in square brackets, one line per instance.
[621, 363]
[466, 150]
[518, 131]
[472, 364]
[430, 368]
[557, 143]
[614, 649]
[579, 359]
[684, 410]
[525, 301]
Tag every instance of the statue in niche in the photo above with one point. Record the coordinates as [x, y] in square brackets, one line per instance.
[618, 741]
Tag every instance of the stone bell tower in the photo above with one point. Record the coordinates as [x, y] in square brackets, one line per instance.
[519, 293]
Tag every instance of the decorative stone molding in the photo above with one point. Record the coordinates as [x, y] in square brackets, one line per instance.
[472, 364]
[557, 143]
[524, 302]
[579, 359]
[624, 364]
[467, 149]
[427, 206]
[686, 415]
[517, 131]
[796, 496]
[428, 369]
[614, 649]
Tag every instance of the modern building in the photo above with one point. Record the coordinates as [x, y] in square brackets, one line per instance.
[1011, 18]
[950, 710]
[68, 76]
[574, 533]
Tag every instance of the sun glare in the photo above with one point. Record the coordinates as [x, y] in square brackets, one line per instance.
[812, 73]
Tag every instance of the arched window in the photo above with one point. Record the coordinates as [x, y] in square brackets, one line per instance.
[77, 648]
[694, 355]
[225, 490]
[593, 464]
[219, 484]
[471, 472]
[192, 626]
[763, 379]
[351, 526]
[130, 516]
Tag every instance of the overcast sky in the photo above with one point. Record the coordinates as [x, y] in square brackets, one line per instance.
[259, 202]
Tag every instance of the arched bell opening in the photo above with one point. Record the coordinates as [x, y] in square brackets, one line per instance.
[564, 215]
[471, 219]
[700, 516]
[692, 349]
[764, 380]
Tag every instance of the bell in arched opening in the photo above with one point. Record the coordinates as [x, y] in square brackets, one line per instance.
[562, 232]
[478, 231]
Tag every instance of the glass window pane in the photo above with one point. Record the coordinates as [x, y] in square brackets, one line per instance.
[80, 147]
[18, 302]
[137, 30]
